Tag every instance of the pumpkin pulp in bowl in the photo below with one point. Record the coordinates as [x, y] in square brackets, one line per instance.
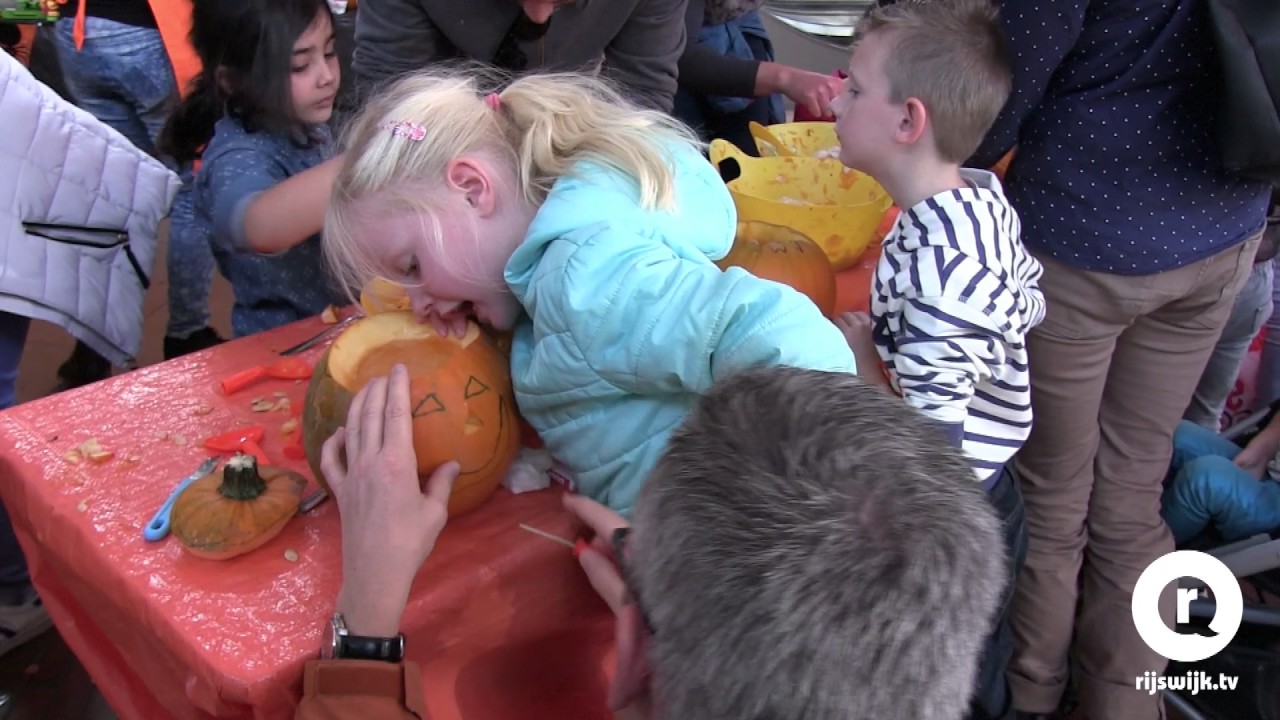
[836, 207]
[461, 403]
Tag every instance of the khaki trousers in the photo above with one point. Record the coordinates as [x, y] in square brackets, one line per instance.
[1113, 367]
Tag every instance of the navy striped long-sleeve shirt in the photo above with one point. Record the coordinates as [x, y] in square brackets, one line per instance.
[954, 296]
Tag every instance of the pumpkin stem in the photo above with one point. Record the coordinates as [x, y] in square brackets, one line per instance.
[240, 479]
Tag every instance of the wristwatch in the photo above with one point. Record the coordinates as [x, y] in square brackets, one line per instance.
[342, 645]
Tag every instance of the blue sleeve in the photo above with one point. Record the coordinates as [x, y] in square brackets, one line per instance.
[649, 321]
[954, 432]
[1040, 34]
[232, 181]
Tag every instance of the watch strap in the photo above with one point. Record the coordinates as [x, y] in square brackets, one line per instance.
[357, 647]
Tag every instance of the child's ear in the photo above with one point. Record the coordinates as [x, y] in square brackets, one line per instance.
[464, 175]
[913, 123]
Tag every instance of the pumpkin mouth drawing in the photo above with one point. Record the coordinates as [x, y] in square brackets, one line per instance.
[462, 404]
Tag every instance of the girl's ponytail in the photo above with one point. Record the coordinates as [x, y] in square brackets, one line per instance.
[401, 144]
[562, 119]
[190, 126]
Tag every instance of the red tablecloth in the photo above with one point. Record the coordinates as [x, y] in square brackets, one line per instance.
[503, 623]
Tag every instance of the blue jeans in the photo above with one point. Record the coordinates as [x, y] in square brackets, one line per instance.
[1251, 309]
[992, 698]
[190, 264]
[13, 336]
[124, 78]
[1206, 488]
[1269, 370]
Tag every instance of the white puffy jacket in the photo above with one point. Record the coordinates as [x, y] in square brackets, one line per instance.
[79, 211]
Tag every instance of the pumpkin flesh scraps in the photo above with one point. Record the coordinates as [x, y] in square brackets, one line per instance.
[229, 513]
[373, 346]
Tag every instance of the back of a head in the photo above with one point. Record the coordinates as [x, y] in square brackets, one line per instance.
[951, 55]
[541, 126]
[811, 548]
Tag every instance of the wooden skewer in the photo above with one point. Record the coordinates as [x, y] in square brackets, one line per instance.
[547, 535]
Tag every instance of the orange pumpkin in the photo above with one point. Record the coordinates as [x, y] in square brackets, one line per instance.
[380, 295]
[236, 510]
[783, 255]
[463, 407]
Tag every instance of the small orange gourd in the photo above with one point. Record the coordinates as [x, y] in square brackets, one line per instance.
[236, 510]
[783, 255]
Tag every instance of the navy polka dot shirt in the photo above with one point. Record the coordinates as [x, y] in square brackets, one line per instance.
[1112, 113]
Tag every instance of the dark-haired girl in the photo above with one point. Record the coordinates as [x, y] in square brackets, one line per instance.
[262, 105]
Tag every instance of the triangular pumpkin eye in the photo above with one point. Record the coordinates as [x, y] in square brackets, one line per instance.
[427, 405]
[474, 388]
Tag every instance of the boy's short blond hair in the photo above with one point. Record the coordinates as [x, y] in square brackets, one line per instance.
[950, 55]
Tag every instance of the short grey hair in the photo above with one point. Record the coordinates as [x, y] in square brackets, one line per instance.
[810, 547]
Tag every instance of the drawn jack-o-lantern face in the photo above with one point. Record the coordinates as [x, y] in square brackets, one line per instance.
[460, 389]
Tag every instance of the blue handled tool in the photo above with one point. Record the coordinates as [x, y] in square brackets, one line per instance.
[158, 528]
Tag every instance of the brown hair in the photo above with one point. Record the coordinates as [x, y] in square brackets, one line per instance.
[951, 56]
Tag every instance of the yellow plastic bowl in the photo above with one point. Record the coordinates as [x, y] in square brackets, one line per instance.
[806, 139]
[838, 208]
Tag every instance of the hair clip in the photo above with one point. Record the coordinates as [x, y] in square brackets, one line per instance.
[494, 101]
[407, 129]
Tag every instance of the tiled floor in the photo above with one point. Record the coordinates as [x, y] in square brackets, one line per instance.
[43, 678]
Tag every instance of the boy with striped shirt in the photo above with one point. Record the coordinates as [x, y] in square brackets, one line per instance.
[955, 292]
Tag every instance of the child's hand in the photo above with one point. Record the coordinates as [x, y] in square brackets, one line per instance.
[1253, 462]
[448, 324]
[856, 327]
[1255, 457]
[599, 563]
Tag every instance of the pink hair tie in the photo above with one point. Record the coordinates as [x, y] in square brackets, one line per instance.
[494, 101]
[407, 129]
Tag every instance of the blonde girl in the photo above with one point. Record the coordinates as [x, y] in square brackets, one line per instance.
[589, 227]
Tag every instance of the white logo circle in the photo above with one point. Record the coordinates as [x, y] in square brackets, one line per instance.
[1146, 605]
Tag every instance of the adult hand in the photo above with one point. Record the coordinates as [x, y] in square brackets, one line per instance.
[598, 562]
[389, 525]
[813, 91]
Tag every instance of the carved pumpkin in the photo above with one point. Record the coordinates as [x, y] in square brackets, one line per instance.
[380, 296]
[783, 255]
[462, 404]
[237, 509]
